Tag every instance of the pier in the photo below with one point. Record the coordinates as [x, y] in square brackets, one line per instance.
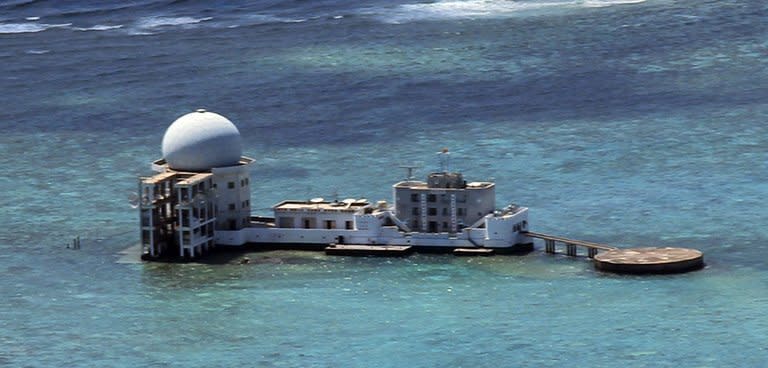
[645, 260]
[571, 245]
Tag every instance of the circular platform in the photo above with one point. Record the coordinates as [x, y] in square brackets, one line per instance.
[649, 260]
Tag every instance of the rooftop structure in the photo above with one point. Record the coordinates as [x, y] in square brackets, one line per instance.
[201, 140]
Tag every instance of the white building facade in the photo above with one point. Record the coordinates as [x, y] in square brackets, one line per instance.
[200, 197]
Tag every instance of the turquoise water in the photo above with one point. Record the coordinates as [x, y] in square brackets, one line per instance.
[630, 123]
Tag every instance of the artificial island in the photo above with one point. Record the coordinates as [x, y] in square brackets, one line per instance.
[200, 199]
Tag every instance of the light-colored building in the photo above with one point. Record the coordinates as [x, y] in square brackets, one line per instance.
[200, 197]
[202, 185]
[445, 203]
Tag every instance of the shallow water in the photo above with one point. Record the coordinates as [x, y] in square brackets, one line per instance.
[626, 122]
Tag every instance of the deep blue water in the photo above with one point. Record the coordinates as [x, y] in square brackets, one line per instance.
[626, 122]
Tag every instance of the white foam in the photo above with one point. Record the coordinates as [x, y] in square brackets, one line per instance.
[604, 3]
[473, 9]
[150, 23]
[10, 28]
[268, 19]
[99, 27]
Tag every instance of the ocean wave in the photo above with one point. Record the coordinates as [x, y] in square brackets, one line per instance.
[146, 25]
[160, 21]
[259, 19]
[454, 9]
[604, 3]
[150, 25]
[99, 27]
[10, 28]
[255, 19]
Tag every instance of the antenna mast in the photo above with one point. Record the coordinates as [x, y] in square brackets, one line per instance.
[444, 158]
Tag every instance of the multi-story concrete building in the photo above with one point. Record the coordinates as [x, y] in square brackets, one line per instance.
[201, 197]
[445, 203]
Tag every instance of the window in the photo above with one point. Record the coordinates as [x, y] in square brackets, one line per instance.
[349, 225]
[231, 206]
[460, 211]
[415, 210]
[285, 222]
[415, 224]
[308, 223]
[445, 211]
[414, 197]
[432, 211]
[432, 227]
[431, 198]
[231, 185]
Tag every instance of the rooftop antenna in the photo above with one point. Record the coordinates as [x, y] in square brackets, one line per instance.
[444, 157]
[410, 168]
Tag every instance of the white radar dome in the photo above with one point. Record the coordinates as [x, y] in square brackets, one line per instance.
[201, 140]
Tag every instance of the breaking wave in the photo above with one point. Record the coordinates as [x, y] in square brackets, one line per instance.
[454, 9]
[11, 28]
[160, 21]
[99, 27]
[146, 25]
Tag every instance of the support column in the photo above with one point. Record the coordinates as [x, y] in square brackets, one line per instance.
[592, 252]
[549, 246]
[571, 250]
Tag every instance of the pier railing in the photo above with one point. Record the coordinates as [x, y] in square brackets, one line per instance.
[571, 245]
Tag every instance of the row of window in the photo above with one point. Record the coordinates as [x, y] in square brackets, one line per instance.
[416, 197]
[231, 185]
[312, 223]
[243, 204]
[434, 226]
[432, 211]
